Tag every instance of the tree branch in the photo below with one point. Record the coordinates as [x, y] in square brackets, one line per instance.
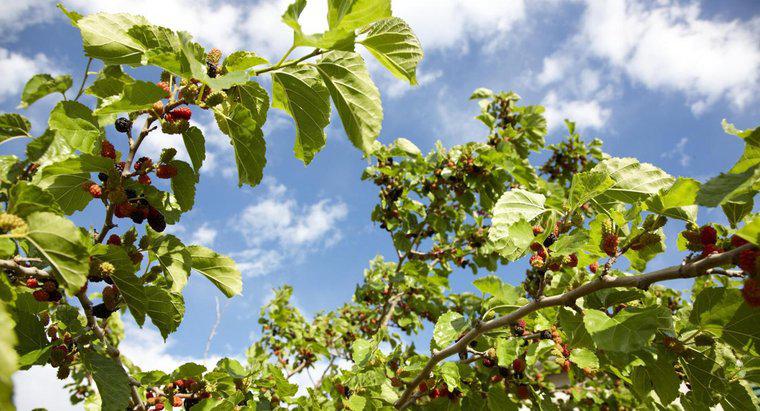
[642, 281]
[112, 351]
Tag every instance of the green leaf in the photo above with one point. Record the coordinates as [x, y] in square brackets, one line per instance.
[173, 257]
[40, 85]
[448, 328]
[247, 140]
[588, 185]
[243, 60]
[572, 324]
[183, 184]
[665, 381]
[361, 351]
[678, 201]
[110, 82]
[13, 125]
[195, 144]
[510, 230]
[706, 377]
[220, 269]
[355, 96]
[627, 331]
[738, 208]
[751, 231]
[350, 15]
[25, 199]
[64, 180]
[395, 46]
[570, 243]
[634, 181]
[584, 358]
[62, 244]
[253, 97]
[8, 358]
[334, 39]
[105, 37]
[76, 124]
[130, 286]
[405, 146]
[300, 92]
[751, 156]
[505, 293]
[111, 379]
[739, 397]
[165, 309]
[726, 187]
[139, 95]
[48, 148]
[723, 313]
[507, 350]
[517, 204]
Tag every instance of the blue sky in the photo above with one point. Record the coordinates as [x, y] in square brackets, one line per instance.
[652, 79]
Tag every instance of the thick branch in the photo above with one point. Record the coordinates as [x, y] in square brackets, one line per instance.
[642, 281]
[13, 265]
[298, 369]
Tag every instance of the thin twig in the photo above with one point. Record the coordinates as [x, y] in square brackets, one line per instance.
[213, 328]
[84, 79]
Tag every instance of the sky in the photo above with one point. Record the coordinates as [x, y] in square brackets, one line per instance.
[652, 79]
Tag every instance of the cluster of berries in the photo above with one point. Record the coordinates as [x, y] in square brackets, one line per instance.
[542, 258]
[138, 209]
[610, 239]
[704, 239]
[439, 390]
[46, 292]
[64, 350]
[183, 392]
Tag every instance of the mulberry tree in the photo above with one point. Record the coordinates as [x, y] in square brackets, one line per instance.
[569, 312]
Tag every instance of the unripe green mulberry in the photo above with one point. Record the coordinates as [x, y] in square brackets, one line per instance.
[608, 227]
[106, 268]
[174, 127]
[11, 223]
[216, 98]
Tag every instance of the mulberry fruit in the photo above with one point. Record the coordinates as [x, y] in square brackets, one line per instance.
[49, 286]
[156, 220]
[708, 235]
[106, 268]
[214, 55]
[95, 190]
[143, 163]
[40, 295]
[32, 283]
[593, 266]
[11, 223]
[610, 244]
[737, 241]
[549, 240]
[571, 260]
[181, 113]
[523, 392]
[536, 261]
[107, 150]
[537, 229]
[111, 297]
[123, 124]
[114, 239]
[215, 98]
[166, 171]
[751, 292]
[144, 179]
[518, 365]
[63, 372]
[123, 209]
[101, 311]
[165, 86]
[748, 261]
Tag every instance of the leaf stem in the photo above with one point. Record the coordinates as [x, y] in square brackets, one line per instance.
[84, 80]
[314, 53]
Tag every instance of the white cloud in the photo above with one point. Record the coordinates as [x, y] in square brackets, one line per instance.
[586, 114]
[29, 384]
[279, 218]
[15, 16]
[255, 262]
[679, 153]
[146, 349]
[442, 25]
[16, 68]
[204, 235]
[670, 46]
